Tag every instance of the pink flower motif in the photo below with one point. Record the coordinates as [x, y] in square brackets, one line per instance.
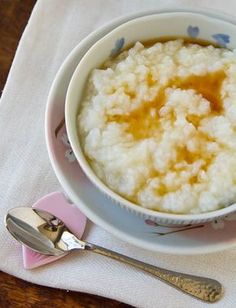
[70, 156]
[65, 140]
[230, 217]
[151, 222]
[218, 224]
[68, 153]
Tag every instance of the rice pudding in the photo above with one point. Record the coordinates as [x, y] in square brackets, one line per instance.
[158, 126]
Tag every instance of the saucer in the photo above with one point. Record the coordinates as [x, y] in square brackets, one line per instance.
[145, 233]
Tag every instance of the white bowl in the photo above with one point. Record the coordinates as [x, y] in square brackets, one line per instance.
[179, 24]
[218, 235]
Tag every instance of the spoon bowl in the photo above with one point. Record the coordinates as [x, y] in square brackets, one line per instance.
[35, 229]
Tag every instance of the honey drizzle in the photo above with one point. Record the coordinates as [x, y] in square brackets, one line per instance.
[143, 121]
[208, 85]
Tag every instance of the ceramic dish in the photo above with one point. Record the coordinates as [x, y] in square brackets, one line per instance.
[177, 24]
[145, 233]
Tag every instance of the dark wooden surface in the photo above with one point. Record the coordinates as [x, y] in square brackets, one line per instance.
[15, 292]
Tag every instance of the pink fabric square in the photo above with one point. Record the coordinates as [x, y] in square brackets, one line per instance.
[57, 204]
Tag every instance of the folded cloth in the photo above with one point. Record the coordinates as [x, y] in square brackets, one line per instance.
[54, 28]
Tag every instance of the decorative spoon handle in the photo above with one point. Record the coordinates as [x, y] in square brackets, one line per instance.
[206, 289]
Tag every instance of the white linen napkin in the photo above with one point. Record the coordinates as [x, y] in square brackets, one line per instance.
[54, 28]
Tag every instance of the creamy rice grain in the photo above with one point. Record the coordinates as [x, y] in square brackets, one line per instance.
[158, 126]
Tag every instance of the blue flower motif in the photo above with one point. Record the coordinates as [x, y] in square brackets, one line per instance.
[193, 31]
[118, 46]
[221, 39]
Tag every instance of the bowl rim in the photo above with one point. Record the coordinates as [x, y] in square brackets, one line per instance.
[77, 149]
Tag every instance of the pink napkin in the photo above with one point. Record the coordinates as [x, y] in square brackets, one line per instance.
[57, 204]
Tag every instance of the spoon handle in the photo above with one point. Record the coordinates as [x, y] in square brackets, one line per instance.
[206, 289]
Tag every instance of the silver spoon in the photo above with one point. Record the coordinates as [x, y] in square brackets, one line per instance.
[47, 234]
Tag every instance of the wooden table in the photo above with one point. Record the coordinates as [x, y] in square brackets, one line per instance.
[14, 292]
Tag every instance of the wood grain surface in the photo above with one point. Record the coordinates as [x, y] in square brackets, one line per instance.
[15, 292]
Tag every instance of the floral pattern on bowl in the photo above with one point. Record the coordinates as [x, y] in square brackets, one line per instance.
[161, 230]
[118, 47]
[193, 31]
[69, 154]
[220, 39]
